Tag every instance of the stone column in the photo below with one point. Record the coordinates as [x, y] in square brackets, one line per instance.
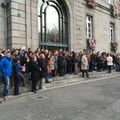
[18, 31]
[3, 24]
[32, 24]
[23, 24]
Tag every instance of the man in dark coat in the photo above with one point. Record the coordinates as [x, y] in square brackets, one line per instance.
[35, 73]
[43, 65]
[61, 64]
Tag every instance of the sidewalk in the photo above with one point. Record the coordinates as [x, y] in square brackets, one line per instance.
[69, 79]
[66, 80]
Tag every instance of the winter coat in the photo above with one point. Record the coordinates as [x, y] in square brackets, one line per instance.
[84, 63]
[43, 66]
[52, 59]
[93, 58]
[50, 66]
[35, 71]
[109, 61]
[6, 66]
[17, 68]
[61, 62]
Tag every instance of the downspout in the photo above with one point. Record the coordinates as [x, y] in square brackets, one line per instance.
[31, 19]
[6, 24]
[26, 24]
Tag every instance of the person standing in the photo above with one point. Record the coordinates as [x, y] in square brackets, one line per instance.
[35, 73]
[84, 65]
[6, 70]
[44, 72]
[17, 70]
[109, 62]
[61, 64]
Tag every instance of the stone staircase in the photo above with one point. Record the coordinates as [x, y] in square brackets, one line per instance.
[63, 81]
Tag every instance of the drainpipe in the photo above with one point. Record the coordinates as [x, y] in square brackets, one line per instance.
[31, 19]
[26, 24]
[6, 25]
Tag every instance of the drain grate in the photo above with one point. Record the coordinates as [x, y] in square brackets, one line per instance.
[41, 97]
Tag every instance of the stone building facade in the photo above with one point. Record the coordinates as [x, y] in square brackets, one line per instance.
[19, 23]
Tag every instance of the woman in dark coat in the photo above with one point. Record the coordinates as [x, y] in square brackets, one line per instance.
[61, 64]
[35, 73]
[69, 64]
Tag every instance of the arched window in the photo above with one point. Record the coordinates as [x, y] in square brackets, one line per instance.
[52, 24]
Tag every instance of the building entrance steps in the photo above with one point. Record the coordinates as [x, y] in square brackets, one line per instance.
[69, 79]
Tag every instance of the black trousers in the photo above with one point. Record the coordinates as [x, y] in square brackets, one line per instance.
[109, 69]
[40, 83]
[61, 71]
[85, 72]
[34, 83]
[17, 80]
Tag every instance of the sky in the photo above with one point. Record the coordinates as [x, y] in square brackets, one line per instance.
[52, 17]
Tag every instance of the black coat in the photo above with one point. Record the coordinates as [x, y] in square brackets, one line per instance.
[43, 66]
[35, 71]
[61, 62]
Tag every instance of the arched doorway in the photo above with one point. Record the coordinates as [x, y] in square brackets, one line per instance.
[52, 24]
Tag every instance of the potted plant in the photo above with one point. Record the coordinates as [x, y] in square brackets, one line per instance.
[92, 44]
[115, 10]
[91, 3]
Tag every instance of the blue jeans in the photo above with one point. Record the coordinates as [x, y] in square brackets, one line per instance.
[6, 80]
[49, 75]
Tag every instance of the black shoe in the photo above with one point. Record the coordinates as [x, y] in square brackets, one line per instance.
[47, 82]
[34, 91]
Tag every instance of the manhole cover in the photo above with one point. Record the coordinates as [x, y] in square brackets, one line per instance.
[41, 97]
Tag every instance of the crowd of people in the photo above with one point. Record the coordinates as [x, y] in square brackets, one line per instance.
[42, 65]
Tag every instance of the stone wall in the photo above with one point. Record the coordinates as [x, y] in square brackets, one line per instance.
[3, 26]
[21, 26]
[101, 25]
[18, 24]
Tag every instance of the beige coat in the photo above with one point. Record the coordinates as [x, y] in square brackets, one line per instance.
[84, 63]
[109, 61]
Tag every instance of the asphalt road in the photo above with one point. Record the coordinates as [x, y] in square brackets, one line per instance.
[97, 100]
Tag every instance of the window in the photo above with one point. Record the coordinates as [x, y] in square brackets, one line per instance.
[110, 2]
[52, 24]
[89, 27]
[112, 32]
